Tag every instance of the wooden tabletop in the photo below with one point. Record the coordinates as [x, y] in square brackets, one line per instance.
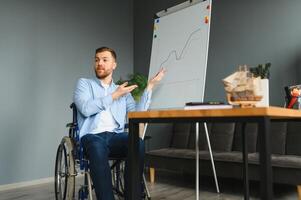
[272, 112]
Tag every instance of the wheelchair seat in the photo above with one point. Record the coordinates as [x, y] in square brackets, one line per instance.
[71, 163]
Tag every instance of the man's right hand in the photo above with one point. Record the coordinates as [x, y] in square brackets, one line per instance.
[122, 90]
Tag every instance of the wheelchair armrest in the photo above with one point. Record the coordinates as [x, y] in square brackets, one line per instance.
[147, 137]
[71, 125]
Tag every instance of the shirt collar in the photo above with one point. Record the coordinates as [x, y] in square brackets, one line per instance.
[97, 80]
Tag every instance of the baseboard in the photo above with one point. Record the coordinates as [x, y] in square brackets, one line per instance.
[26, 183]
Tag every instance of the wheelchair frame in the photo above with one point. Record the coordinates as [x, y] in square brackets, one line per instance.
[71, 161]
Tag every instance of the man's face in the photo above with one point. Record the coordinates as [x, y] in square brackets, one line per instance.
[104, 64]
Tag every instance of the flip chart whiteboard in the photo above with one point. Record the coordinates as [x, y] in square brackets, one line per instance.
[180, 45]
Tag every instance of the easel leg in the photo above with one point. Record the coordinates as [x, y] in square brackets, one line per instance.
[211, 158]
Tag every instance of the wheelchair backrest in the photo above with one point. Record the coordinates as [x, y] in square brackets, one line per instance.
[74, 134]
[73, 128]
[74, 113]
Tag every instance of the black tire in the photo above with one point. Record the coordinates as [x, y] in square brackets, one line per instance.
[64, 183]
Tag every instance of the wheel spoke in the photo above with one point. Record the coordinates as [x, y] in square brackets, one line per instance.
[64, 171]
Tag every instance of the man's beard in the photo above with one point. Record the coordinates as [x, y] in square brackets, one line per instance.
[105, 74]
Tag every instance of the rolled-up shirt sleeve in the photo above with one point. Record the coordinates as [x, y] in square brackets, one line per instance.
[84, 101]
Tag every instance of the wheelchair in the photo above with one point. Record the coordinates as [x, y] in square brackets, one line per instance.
[71, 164]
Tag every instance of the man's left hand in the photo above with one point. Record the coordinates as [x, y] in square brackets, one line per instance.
[156, 79]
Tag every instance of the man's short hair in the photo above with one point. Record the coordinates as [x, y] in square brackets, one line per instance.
[102, 49]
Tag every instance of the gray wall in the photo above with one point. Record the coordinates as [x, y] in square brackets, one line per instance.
[253, 32]
[242, 32]
[45, 46]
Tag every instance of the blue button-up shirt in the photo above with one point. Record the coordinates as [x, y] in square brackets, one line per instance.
[90, 99]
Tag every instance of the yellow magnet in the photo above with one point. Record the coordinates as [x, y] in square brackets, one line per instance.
[206, 20]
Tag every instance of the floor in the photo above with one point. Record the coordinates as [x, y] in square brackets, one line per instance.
[169, 186]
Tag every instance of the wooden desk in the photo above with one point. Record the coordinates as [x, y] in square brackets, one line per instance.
[263, 116]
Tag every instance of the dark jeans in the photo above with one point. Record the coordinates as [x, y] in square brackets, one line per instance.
[99, 147]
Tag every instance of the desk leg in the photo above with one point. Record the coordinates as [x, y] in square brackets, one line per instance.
[197, 160]
[266, 185]
[245, 161]
[133, 161]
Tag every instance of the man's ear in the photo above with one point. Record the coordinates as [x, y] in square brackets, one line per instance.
[115, 65]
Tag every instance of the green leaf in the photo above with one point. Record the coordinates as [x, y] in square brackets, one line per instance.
[135, 79]
[262, 70]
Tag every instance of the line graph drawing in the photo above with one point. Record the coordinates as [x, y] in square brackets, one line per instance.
[183, 49]
[193, 38]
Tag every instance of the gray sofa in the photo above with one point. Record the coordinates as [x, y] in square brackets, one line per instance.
[226, 139]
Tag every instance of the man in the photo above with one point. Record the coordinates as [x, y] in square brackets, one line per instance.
[102, 109]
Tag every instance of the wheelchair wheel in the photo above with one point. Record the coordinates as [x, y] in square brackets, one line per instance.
[117, 169]
[64, 183]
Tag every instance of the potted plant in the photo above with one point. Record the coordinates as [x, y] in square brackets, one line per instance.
[263, 71]
[141, 81]
[135, 79]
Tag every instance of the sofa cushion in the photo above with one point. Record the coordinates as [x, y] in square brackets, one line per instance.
[202, 136]
[293, 140]
[233, 156]
[221, 136]
[173, 153]
[181, 132]
[251, 132]
[278, 137]
[285, 161]
[278, 132]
